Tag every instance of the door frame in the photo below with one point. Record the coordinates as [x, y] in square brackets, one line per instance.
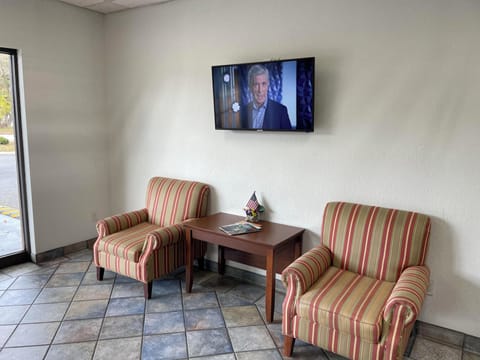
[21, 256]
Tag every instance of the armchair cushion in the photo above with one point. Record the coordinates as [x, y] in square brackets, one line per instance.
[347, 302]
[127, 244]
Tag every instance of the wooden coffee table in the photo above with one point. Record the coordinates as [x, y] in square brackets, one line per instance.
[272, 248]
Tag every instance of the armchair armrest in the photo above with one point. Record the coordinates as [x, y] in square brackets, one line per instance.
[160, 238]
[298, 277]
[307, 268]
[408, 292]
[116, 223]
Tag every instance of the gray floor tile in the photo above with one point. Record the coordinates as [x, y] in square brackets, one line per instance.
[259, 355]
[167, 346]
[230, 356]
[88, 309]
[275, 330]
[200, 300]
[229, 299]
[5, 332]
[122, 327]
[12, 314]
[5, 282]
[248, 292]
[19, 297]
[77, 351]
[17, 270]
[93, 292]
[24, 353]
[68, 279]
[165, 303]
[208, 342]
[202, 319]
[470, 356]
[44, 270]
[73, 267]
[78, 331]
[219, 283]
[119, 349]
[45, 312]
[30, 281]
[162, 323]
[250, 338]
[126, 306]
[56, 295]
[242, 316]
[120, 279]
[425, 349]
[33, 334]
[90, 278]
[166, 287]
[122, 290]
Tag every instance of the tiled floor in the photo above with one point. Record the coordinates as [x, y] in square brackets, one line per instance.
[58, 310]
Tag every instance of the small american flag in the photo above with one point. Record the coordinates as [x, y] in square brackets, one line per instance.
[253, 202]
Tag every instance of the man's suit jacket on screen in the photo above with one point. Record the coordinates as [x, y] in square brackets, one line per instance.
[276, 116]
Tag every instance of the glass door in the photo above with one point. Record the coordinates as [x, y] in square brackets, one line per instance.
[13, 231]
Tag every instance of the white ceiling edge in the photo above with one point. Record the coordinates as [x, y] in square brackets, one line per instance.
[111, 6]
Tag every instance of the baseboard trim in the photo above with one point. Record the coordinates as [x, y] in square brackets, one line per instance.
[62, 251]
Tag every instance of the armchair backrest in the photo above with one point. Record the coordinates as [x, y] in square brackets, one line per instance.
[374, 241]
[171, 201]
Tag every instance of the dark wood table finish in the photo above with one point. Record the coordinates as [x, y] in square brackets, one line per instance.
[272, 248]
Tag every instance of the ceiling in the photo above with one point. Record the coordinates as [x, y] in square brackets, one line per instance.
[110, 6]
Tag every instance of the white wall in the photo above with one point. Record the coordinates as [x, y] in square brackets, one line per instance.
[396, 117]
[62, 50]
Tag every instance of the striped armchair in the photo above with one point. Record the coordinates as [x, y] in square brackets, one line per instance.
[149, 243]
[359, 292]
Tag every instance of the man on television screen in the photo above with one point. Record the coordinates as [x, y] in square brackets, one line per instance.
[262, 112]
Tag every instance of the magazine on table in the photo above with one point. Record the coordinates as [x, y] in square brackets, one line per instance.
[241, 227]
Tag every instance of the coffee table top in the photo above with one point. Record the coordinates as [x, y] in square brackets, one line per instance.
[271, 233]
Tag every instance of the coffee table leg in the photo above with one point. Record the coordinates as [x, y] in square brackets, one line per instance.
[189, 260]
[270, 290]
[221, 260]
[298, 247]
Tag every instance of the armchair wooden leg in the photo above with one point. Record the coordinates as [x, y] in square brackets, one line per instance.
[100, 272]
[147, 290]
[288, 343]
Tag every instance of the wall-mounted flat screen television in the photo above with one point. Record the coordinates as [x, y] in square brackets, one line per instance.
[266, 95]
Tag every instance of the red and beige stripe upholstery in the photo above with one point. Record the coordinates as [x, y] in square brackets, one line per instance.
[148, 243]
[171, 201]
[359, 293]
[375, 241]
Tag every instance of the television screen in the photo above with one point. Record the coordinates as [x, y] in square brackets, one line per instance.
[267, 95]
